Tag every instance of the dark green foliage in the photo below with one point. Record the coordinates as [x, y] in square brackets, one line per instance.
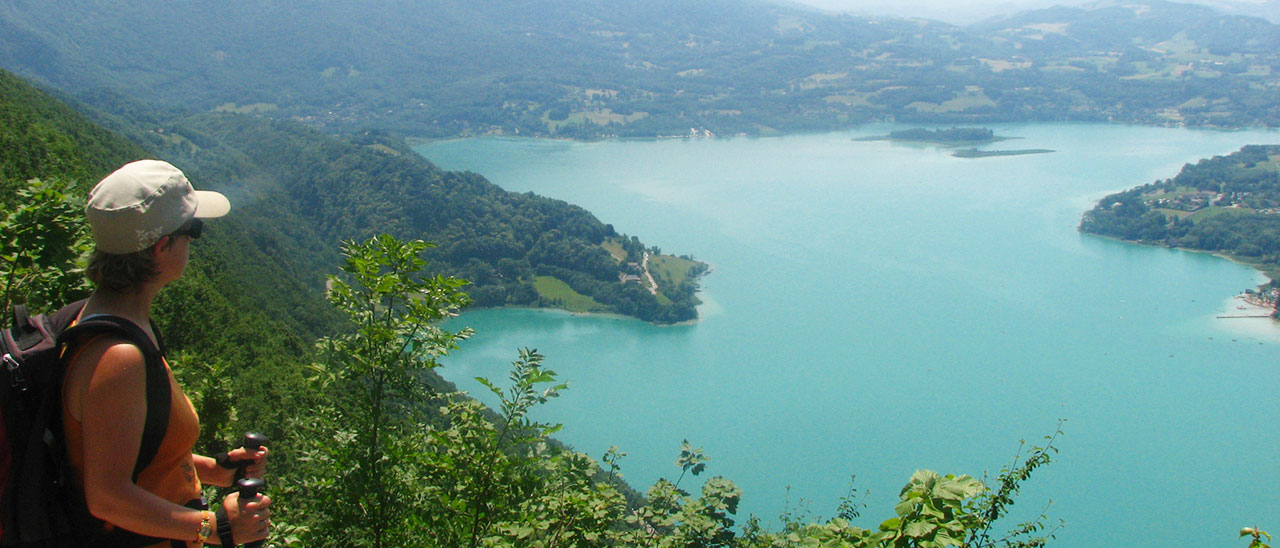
[991, 506]
[43, 246]
[50, 156]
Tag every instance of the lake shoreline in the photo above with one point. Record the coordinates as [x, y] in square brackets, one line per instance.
[577, 314]
[1223, 256]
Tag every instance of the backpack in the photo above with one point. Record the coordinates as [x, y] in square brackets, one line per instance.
[39, 505]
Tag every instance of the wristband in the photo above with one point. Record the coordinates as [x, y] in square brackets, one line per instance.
[224, 529]
[224, 461]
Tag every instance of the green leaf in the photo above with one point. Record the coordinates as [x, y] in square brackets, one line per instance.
[917, 529]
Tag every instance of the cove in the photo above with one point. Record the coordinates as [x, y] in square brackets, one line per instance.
[880, 307]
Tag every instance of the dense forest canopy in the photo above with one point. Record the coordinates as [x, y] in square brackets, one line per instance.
[595, 68]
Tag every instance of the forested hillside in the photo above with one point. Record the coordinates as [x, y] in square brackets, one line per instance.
[43, 138]
[299, 192]
[499, 240]
[595, 68]
[1225, 204]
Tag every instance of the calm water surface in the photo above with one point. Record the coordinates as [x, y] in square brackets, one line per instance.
[878, 308]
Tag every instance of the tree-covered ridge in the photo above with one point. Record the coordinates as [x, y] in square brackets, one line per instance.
[296, 191]
[594, 68]
[1225, 204]
[501, 241]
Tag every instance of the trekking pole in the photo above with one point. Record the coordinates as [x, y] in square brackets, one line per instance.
[251, 487]
[249, 490]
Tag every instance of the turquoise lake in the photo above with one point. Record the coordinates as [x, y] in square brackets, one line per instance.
[878, 308]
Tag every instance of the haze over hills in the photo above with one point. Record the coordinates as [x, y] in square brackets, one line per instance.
[963, 12]
[596, 68]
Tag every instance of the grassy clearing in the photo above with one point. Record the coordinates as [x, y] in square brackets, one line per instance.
[615, 249]
[1175, 213]
[850, 99]
[670, 268]
[606, 116]
[385, 149]
[600, 117]
[247, 109]
[1211, 212]
[960, 103]
[1178, 192]
[555, 291]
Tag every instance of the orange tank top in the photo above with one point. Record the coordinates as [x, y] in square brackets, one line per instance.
[172, 473]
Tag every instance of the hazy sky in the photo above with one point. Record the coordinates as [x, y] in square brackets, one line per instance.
[969, 11]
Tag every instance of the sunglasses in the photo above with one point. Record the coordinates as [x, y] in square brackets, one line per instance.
[192, 229]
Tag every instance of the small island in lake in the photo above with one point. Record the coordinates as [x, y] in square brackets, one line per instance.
[956, 137]
[975, 153]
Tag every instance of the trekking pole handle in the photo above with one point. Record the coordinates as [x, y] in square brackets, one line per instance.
[253, 440]
[249, 489]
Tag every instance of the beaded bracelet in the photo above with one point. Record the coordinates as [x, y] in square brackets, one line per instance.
[206, 527]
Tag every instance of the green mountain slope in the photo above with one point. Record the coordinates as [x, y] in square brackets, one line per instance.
[298, 193]
[44, 138]
[499, 240]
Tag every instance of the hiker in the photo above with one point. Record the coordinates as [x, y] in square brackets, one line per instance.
[143, 218]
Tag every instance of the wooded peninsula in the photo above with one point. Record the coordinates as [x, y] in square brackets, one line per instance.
[1228, 205]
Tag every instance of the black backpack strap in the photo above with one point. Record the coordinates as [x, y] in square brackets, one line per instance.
[159, 392]
[60, 320]
[25, 333]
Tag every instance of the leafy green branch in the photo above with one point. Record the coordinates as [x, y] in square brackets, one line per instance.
[44, 245]
[372, 386]
[993, 505]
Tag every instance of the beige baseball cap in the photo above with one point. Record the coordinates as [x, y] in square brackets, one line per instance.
[135, 206]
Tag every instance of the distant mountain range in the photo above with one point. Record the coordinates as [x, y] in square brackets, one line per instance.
[1267, 9]
[963, 12]
[591, 68]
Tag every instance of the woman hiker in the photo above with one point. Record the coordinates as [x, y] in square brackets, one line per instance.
[143, 217]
